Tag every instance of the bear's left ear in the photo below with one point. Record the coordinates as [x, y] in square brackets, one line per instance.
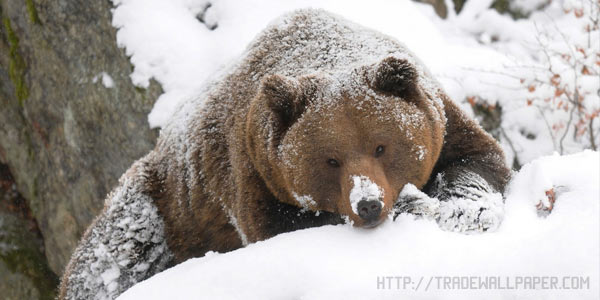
[395, 76]
[283, 96]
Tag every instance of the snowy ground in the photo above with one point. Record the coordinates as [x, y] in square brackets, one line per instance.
[342, 262]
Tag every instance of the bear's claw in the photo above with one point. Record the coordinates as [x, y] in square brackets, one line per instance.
[415, 202]
[469, 215]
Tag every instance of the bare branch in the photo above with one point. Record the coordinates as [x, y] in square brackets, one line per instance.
[548, 127]
[566, 129]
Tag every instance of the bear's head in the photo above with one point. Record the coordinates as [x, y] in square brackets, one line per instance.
[345, 143]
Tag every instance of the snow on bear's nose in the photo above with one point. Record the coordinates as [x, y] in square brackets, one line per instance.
[366, 198]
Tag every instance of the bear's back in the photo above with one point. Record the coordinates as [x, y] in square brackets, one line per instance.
[313, 40]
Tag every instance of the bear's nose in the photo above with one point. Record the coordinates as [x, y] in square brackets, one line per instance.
[369, 210]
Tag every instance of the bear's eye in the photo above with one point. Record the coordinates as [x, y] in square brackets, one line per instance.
[379, 150]
[334, 163]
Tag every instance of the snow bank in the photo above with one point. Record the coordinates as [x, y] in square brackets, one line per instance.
[342, 262]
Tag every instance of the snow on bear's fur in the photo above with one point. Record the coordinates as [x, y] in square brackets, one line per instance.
[273, 144]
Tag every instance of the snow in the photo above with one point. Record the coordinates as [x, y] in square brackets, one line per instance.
[421, 151]
[233, 221]
[110, 275]
[364, 189]
[305, 201]
[343, 262]
[106, 80]
[410, 190]
[528, 6]
[412, 200]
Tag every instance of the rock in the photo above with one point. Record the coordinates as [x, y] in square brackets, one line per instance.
[440, 7]
[23, 268]
[66, 135]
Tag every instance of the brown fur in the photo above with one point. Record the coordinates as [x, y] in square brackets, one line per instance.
[468, 147]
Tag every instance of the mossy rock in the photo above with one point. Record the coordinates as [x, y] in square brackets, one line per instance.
[66, 137]
[17, 64]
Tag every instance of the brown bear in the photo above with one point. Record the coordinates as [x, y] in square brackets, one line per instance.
[320, 121]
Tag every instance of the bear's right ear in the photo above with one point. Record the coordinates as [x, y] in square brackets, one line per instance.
[284, 98]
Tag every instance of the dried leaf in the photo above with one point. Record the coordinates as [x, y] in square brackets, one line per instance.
[585, 71]
[558, 92]
[555, 80]
[471, 100]
[551, 195]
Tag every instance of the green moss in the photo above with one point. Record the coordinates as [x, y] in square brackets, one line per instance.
[16, 68]
[140, 90]
[33, 15]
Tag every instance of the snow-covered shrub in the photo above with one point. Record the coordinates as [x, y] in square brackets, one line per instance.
[536, 86]
[563, 84]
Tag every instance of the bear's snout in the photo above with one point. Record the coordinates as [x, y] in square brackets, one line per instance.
[369, 211]
[366, 199]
